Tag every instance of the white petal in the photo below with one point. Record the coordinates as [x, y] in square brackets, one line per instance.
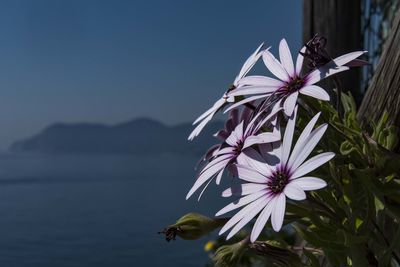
[316, 92]
[288, 137]
[278, 212]
[323, 72]
[219, 176]
[286, 57]
[235, 136]
[293, 191]
[346, 58]
[308, 145]
[248, 174]
[262, 220]
[242, 201]
[218, 104]
[206, 176]
[290, 103]
[246, 100]
[309, 183]
[299, 61]
[253, 90]
[261, 139]
[200, 127]
[243, 189]
[248, 64]
[312, 164]
[302, 138]
[257, 80]
[275, 66]
[251, 158]
[249, 216]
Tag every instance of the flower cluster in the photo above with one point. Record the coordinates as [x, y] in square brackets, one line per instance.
[269, 169]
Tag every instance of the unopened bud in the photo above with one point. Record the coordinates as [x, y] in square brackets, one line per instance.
[192, 226]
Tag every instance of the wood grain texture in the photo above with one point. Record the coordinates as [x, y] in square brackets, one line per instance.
[384, 90]
[340, 22]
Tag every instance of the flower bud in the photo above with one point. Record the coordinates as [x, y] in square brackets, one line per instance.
[229, 255]
[192, 226]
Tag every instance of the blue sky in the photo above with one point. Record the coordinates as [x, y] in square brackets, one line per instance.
[111, 61]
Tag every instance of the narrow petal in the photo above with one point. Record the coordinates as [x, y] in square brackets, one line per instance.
[218, 104]
[312, 164]
[241, 214]
[219, 176]
[249, 216]
[253, 90]
[286, 57]
[243, 189]
[308, 145]
[257, 80]
[290, 103]
[249, 63]
[323, 72]
[274, 66]
[261, 139]
[262, 220]
[206, 176]
[316, 92]
[251, 158]
[293, 191]
[200, 127]
[248, 174]
[244, 101]
[346, 58]
[288, 137]
[309, 183]
[302, 138]
[241, 202]
[299, 61]
[278, 212]
[236, 135]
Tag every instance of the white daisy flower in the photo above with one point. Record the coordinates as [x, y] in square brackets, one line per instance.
[269, 184]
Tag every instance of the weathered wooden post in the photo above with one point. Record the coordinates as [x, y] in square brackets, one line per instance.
[384, 90]
[340, 22]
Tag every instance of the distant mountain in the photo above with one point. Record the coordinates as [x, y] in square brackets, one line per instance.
[139, 136]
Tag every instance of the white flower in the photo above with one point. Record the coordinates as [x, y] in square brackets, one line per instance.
[237, 144]
[269, 184]
[209, 114]
[290, 81]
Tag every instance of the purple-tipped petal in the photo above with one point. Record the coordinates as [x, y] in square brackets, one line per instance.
[274, 66]
[316, 92]
[290, 103]
[312, 164]
[309, 183]
[294, 192]
[286, 57]
[278, 212]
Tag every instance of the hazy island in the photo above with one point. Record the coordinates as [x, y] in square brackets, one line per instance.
[138, 136]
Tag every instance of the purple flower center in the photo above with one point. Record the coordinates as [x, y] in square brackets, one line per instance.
[278, 181]
[295, 84]
[239, 147]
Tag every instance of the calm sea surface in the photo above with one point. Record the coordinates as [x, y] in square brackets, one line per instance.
[97, 210]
